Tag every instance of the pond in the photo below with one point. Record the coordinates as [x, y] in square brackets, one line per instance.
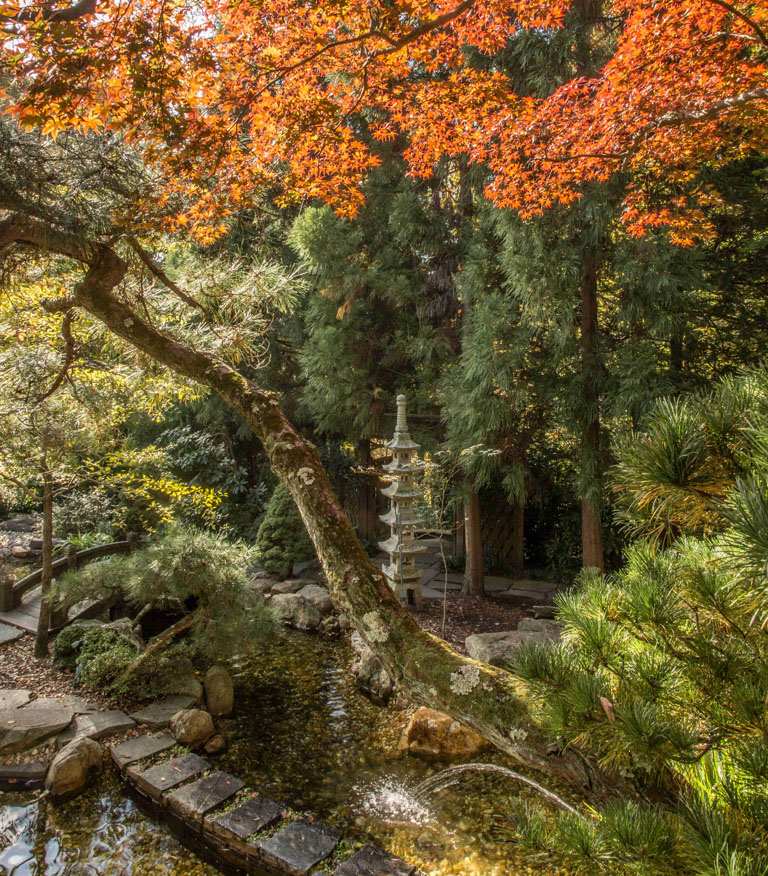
[304, 735]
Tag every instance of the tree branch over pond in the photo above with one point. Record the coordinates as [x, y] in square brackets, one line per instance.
[488, 699]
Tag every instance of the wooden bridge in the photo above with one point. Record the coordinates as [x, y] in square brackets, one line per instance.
[20, 601]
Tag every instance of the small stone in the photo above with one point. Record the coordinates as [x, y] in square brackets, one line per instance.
[19, 552]
[219, 691]
[436, 736]
[216, 745]
[192, 727]
[318, 596]
[370, 675]
[74, 767]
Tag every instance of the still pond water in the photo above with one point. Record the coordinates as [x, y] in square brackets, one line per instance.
[304, 735]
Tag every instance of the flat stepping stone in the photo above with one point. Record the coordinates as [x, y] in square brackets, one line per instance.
[23, 776]
[373, 861]
[299, 846]
[194, 801]
[9, 633]
[544, 611]
[155, 781]
[11, 698]
[515, 593]
[429, 593]
[131, 750]
[234, 827]
[100, 724]
[79, 706]
[30, 725]
[159, 714]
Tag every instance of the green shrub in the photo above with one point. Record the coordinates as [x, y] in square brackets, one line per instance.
[282, 539]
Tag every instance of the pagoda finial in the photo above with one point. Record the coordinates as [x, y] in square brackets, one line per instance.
[401, 424]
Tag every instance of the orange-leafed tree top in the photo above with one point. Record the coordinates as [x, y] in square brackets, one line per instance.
[224, 95]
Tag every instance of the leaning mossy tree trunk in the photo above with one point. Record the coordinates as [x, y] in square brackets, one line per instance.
[429, 671]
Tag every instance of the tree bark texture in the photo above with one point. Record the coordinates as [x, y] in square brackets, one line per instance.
[591, 522]
[44, 621]
[474, 570]
[490, 700]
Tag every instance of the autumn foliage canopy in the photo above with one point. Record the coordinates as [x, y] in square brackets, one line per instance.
[223, 96]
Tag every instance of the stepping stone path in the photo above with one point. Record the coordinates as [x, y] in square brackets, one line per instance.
[372, 861]
[137, 749]
[23, 776]
[238, 827]
[25, 727]
[194, 801]
[9, 633]
[300, 845]
[170, 774]
[96, 725]
[159, 714]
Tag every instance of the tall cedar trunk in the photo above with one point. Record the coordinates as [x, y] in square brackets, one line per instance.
[517, 558]
[676, 350]
[44, 621]
[591, 523]
[367, 496]
[474, 571]
[428, 670]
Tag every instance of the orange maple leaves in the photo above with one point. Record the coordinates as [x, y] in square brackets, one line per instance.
[228, 95]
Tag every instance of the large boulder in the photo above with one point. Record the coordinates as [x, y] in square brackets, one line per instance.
[192, 727]
[219, 691]
[28, 726]
[290, 585]
[548, 627]
[175, 675]
[498, 648]
[74, 767]
[318, 596]
[370, 675]
[435, 736]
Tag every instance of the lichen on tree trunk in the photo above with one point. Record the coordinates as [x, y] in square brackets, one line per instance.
[487, 699]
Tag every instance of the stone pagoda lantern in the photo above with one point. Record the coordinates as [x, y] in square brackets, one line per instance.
[401, 571]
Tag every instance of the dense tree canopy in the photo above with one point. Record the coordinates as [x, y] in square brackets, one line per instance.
[226, 96]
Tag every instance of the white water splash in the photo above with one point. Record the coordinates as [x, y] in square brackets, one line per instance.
[390, 800]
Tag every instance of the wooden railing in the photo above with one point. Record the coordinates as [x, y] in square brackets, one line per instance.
[11, 593]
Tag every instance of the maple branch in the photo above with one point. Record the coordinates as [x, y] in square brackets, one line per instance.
[684, 117]
[744, 17]
[69, 358]
[394, 44]
[158, 272]
[34, 13]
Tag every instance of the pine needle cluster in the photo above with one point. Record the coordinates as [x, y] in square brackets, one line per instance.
[662, 670]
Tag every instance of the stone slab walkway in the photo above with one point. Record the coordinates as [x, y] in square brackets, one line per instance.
[239, 827]
[434, 580]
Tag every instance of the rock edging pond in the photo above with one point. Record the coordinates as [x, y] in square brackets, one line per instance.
[239, 828]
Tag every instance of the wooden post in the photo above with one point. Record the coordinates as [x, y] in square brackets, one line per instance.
[133, 541]
[6, 595]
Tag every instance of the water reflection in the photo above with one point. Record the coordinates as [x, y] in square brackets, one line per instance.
[101, 833]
